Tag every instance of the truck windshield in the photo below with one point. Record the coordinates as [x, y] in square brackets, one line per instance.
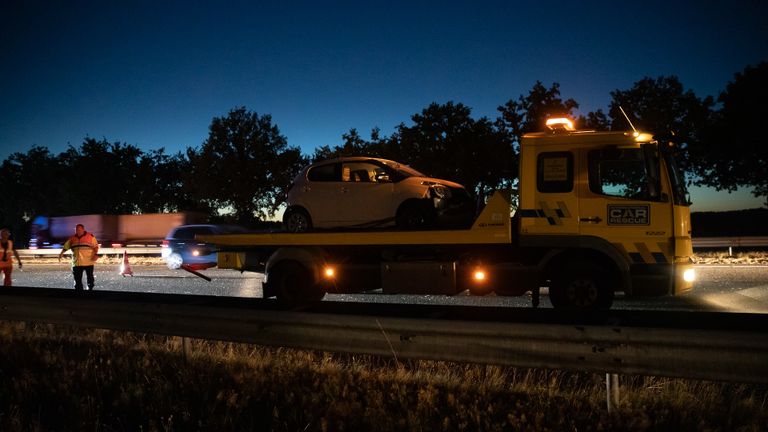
[630, 173]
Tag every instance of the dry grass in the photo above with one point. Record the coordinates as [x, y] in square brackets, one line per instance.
[60, 378]
[739, 258]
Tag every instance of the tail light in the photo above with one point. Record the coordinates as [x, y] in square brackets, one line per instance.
[165, 244]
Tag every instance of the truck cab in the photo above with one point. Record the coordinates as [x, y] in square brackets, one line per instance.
[611, 200]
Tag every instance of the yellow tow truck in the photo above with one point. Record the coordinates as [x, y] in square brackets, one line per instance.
[599, 213]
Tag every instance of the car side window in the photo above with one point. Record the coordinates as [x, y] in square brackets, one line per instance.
[363, 172]
[184, 234]
[324, 173]
[190, 232]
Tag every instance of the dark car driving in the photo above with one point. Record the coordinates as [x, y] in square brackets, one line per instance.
[180, 246]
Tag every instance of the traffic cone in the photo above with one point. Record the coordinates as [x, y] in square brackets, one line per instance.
[125, 268]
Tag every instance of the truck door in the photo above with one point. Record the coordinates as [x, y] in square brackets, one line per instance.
[624, 200]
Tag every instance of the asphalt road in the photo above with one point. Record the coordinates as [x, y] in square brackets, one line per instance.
[737, 288]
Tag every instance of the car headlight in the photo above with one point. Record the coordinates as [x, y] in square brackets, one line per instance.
[441, 191]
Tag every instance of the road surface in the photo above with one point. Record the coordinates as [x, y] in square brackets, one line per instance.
[734, 288]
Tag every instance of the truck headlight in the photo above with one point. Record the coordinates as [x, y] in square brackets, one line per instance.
[689, 275]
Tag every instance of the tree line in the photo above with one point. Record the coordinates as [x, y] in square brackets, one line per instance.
[241, 172]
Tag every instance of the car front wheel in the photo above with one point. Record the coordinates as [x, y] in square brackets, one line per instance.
[415, 215]
[174, 261]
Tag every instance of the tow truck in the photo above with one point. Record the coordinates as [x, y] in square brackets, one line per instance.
[599, 213]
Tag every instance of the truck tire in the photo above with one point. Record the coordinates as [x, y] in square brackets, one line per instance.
[415, 215]
[581, 286]
[297, 220]
[292, 281]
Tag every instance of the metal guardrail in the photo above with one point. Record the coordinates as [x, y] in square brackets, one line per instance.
[102, 251]
[699, 345]
[727, 242]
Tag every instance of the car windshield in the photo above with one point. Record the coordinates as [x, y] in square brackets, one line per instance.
[403, 170]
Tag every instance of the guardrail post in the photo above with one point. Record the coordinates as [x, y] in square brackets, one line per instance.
[185, 348]
[612, 391]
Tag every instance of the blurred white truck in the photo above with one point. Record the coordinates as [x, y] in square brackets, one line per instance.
[110, 230]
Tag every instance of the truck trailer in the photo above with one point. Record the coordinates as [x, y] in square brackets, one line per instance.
[110, 230]
[599, 213]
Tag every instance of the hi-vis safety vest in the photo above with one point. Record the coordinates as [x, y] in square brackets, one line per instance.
[6, 253]
[82, 249]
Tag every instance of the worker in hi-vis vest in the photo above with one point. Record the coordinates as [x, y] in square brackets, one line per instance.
[84, 253]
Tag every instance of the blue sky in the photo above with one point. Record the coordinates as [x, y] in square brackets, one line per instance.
[154, 74]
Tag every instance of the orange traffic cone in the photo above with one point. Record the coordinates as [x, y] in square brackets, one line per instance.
[125, 268]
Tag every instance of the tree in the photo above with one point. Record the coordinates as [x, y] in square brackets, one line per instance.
[529, 113]
[595, 120]
[733, 152]
[161, 184]
[663, 107]
[446, 142]
[244, 164]
[100, 177]
[31, 186]
[354, 145]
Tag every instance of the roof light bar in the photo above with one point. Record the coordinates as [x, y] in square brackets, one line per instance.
[560, 124]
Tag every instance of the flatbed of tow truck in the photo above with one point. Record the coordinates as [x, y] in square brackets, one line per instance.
[492, 226]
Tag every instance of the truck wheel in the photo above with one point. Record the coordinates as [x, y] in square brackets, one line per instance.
[581, 287]
[414, 216]
[293, 281]
[297, 220]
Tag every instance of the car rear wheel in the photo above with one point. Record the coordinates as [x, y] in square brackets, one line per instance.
[297, 220]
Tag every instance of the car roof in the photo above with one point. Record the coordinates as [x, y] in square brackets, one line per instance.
[196, 226]
[355, 159]
[211, 227]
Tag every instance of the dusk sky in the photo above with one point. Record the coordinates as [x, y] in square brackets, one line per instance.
[155, 73]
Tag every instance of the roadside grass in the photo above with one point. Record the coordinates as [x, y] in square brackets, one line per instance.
[65, 378]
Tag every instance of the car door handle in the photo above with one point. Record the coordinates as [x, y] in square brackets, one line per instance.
[595, 219]
[344, 190]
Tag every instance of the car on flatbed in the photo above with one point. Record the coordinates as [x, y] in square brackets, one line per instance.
[368, 192]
